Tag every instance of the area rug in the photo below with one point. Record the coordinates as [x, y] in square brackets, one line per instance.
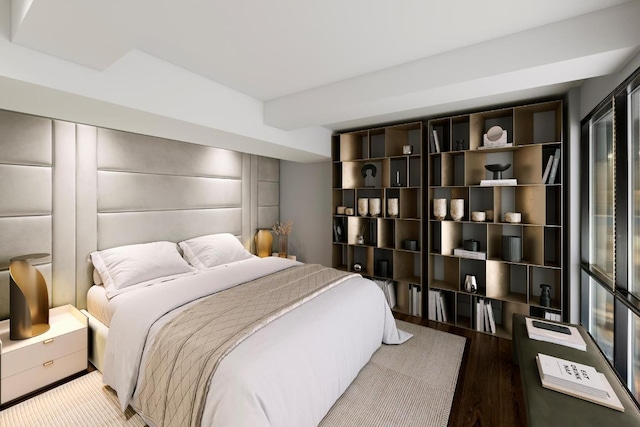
[407, 385]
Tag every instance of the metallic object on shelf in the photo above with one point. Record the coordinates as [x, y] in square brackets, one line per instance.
[470, 283]
[29, 298]
[545, 295]
[497, 169]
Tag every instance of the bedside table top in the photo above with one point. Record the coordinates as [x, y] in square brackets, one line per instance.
[63, 320]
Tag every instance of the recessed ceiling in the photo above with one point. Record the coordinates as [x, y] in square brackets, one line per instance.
[306, 64]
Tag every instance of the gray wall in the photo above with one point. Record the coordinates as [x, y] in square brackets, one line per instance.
[572, 148]
[305, 198]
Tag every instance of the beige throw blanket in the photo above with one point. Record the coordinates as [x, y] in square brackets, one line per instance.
[189, 348]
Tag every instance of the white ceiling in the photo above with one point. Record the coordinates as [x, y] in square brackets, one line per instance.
[273, 77]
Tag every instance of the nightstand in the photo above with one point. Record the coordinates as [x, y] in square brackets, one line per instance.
[30, 364]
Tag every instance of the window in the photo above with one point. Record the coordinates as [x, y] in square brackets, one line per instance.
[602, 196]
[610, 192]
[634, 132]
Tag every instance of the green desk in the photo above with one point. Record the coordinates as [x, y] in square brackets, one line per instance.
[546, 408]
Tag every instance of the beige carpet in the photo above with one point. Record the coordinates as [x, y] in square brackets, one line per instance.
[408, 385]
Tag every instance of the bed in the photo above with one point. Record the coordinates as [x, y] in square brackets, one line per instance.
[275, 364]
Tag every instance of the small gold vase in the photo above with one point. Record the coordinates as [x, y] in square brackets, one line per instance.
[264, 241]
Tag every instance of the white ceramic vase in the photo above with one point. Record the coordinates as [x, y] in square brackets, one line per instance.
[363, 206]
[374, 207]
[439, 209]
[392, 207]
[457, 209]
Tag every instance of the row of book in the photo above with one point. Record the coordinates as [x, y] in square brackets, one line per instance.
[437, 306]
[485, 321]
[388, 287]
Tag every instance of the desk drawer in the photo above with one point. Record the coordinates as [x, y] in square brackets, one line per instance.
[41, 375]
[19, 360]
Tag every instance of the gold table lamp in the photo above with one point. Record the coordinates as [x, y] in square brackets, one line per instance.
[29, 299]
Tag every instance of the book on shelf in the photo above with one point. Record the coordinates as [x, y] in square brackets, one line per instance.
[415, 300]
[498, 182]
[433, 304]
[388, 289]
[574, 340]
[391, 293]
[469, 254]
[552, 316]
[443, 307]
[436, 141]
[437, 306]
[578, 380]
[492, 320]
[545, 175]
[480, 315]
[554, 167]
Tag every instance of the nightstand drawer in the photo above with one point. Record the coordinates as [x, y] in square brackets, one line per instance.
[25, 358]
[42, 375]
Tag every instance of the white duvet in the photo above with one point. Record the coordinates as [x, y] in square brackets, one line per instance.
[289, 373]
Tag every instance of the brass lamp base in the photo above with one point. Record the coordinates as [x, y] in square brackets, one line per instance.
[29, 299]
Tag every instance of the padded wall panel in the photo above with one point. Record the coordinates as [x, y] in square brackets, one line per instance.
[64, 214]
[25, 190]
[86, 209]
[26, 140]
[121, 192]
[267, 216]
[45, 269]
[268, 193]
[116, 229]
[123, 151]
[24, 235]
[248, 233]
[268, 169]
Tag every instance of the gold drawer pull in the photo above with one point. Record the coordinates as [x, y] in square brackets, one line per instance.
[49, 341]
[49, 363]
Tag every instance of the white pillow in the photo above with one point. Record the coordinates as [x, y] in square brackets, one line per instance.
[123, 267]
[213, 250]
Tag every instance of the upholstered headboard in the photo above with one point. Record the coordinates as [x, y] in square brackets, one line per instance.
[84, 188]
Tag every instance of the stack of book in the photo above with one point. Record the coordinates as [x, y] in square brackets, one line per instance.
[389, 290]
[437, 306]
[485, 321]
[578, 380]
[548, 315]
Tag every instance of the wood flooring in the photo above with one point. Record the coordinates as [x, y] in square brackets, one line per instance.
[489, 391]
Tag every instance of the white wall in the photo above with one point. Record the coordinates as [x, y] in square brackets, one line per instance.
[305, 198]
[595, 90]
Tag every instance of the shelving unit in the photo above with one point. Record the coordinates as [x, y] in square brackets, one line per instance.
[535, 132]
[398, 176]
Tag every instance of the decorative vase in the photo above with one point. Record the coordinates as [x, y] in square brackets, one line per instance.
[439, 209]
[264, 242]
[457, 209]
[283, 243]
[545, 295]
[470, 284]
[374, 207]
[363, 206]
[392, 207]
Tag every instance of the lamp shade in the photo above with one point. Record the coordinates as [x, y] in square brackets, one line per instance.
[29, 299]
